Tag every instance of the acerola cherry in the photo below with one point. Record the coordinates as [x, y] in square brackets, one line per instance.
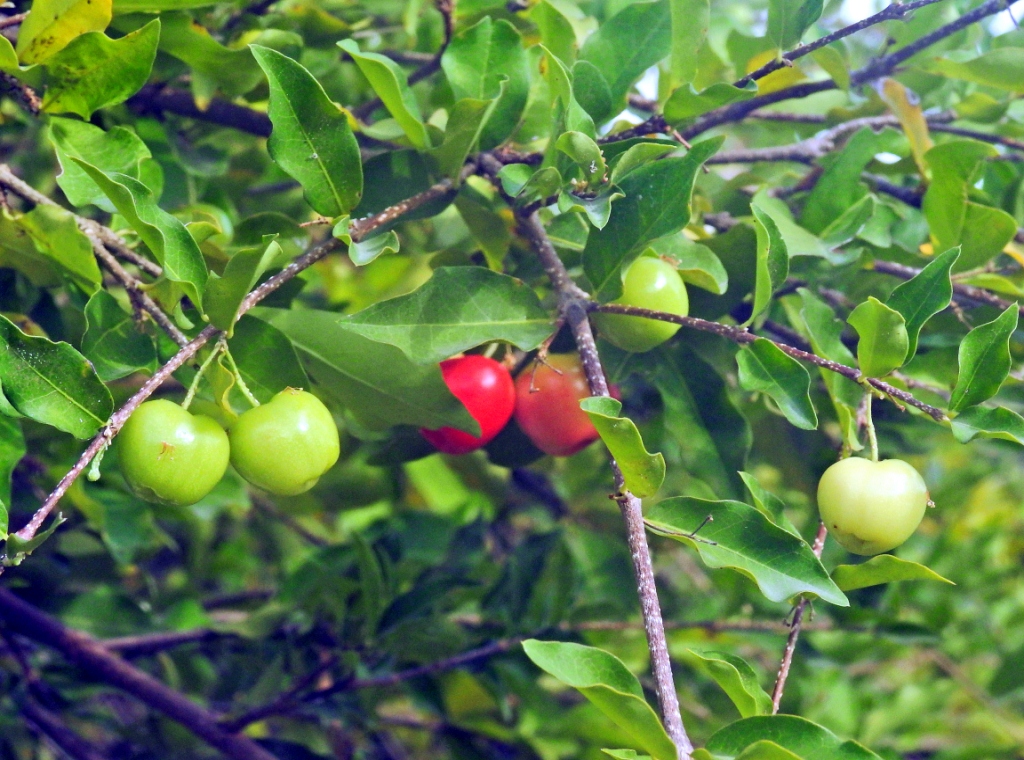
[649, 283]
[485, 389]
[871, 507]
[548, 406]
[169, 456]
[285, 445]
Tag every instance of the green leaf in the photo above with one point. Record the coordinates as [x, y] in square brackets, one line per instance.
[555, 29]
[1000, 423]
[644, 472]
[884, 568]
[165, 235]
[608, 685]
[365, 251]
[840, 187]
[224, 293]
[52, 24]
[375, 381]
[832, 61]
[789, 19]
[690, 21]
[462, 133]
[737, 679]
[625, 754]
[17, 549]
[984, 360]
[772, 261]
[112, 342]
[311, 140]
[156, 6]
[95, 72]
[392, 87]
[488, 227]
[765, 368]
[925, 295]
[801, 737]
[585, 152]
[636, 156]
[128, 528]
[770, 505]
[51, 383]
[266, 358]
[697, 264]
[766, 750]
[624, 47]
[656, 203]
[883, 340]
[740, 537]
[488, 62]
[456, 309]
[686, 103]
[1001, 68]
[116, 150]
[55, 235]
[12, 449]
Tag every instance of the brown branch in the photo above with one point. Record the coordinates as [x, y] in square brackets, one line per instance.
[14, 20]
[794, 631]
[90, 656]
[743, 337]
[151, 643]
[54, 729]
[284, 703]
[157, 97]
[21, 92]
[572, 306]
[970, 292]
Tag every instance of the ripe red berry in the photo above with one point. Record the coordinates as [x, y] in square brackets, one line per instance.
[485, 388]
[548, 406]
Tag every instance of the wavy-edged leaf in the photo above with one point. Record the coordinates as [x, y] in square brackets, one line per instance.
[374, 380]
[765, 368]
[924, 295]
[95, 72]
[771, 506]
[984, 360]
[644, 472]
[52, 24]
[803, 738]
[56, 236]
[17, 548]
[1001, 423]
[656, 203]
[884, 568]
[883, 342]
[112, 341]
[392, 87]
[607, 683]
[224, 293]
[737, 679]
[51, 383]
[772, 260]
[311, 140]
[456, 309]
[740, 537]
[165, 235]
[585, 152]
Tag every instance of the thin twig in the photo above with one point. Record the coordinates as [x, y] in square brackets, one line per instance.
[53, 728]
[14, 20]
[969, 292]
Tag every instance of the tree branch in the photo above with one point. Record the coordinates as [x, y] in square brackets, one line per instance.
[158, 97]
[53, 728]
[88, 654]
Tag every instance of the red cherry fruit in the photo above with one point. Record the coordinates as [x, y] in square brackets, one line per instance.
[486, 390]
[548, 406]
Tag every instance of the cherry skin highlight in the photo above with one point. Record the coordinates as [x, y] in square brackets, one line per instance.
[486, 390]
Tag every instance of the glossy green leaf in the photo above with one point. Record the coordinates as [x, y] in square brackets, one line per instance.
[698, 265]
[266, 358]
[605, 681]
[555, 29]
[311, 140]
[832, 61]
[462, 134]
[157, 6]
[392, 87]
[52, 24]
[365, 251]
[95, 72]
[839, 188]
[789, 19]
[984, 360]
[636, 156]
[165, 235]
[12, 449]
[375, 381]
[488, 62]
[687, 103]
[656, 203]
[883, 340]
[487, 226]
[51, 383]
[456, 309]
[565, 86]
[17, 549]
[740, 537]
[224, 293]
[925, 295]
[737, 679]
[598, 208]
[884, 568]
[625, 754]
[690, 21]
[625, 46]
[1002, 68]
[772, 261]
[770, 505]
[1004, 424]
[113, 342]
[116, 150]
[850, 223]
[765, 368]
[585, 152]
[56, 236]
[644, 472]
[213, 67]
[803, 738]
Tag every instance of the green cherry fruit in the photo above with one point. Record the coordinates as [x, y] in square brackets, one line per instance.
[650, 283]
[170, 456]
[285, 445]
[871, 507]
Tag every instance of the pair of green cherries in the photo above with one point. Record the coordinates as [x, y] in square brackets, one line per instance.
[170, 456]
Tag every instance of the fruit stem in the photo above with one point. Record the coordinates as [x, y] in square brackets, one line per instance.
[869, 425]
[199, 375]
[238, 378]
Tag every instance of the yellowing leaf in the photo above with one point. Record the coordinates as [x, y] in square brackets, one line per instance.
[777, 80]
[52, 24]
[906, 106]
